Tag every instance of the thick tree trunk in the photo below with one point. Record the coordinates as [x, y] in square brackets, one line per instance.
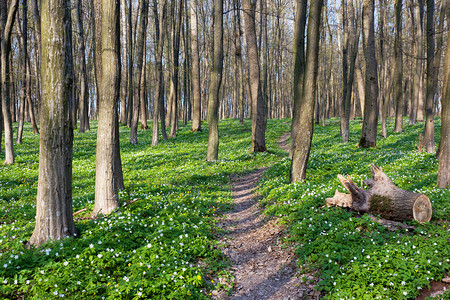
[303, 139]
[383, 198]
[54, 197]
[107, 171]
[443, 180]
[398, 72]
[195, 71]
[216, 80]
[369, 127]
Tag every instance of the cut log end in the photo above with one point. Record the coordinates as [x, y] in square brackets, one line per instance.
[422, 210]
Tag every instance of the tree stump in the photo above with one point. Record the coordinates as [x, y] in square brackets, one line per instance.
[383, 198]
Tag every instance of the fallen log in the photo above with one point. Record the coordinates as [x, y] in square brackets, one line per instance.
[383, 198]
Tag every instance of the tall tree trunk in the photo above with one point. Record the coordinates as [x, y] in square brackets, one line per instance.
[124, 76]
[5, 32]
[195, 70]
[54, 196]
[175, 70]
[142, 92]
[140, 44]
[106, 173]
[443, 180]
[428, 137]
[23, 58]
[258, 109]
[369, 128]
[240, 74]
[158, 108]
[212, 153]
[299, 67]
[419, 13]
[351, 40]
[303, 139]
[398, 72]
[84, 90]
[130, 104]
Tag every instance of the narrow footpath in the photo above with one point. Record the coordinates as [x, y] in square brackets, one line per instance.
[262, 266]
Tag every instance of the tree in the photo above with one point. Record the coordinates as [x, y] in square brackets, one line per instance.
[84, 90]
[299, 67]
[54, 196]
[351, 40]
[369, 127]
[214, 88]
[443, 180]
[304, 135]
[195, 69]
[107, 170]
[428, 141]
[258, 109]
[6, 26]
[140, 54]
[158, 107]
[398, 71]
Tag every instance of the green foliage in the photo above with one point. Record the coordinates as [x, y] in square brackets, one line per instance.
[162, 246]
[355, 256]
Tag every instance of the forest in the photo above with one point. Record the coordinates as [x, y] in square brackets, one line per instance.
[241, 149]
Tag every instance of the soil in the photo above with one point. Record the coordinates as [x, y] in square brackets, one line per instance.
[262, 265]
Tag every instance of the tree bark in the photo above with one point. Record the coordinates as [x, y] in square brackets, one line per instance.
[214, 88]
[84, 90]
[195, 71]
[303, 139]
[107, 173]
[369, 127]
[443, 180]
[428, 141]
[258, 110]
[299, 67]
[5, 32]
[140, 44]
[54, 196]
[124, 77]
[398, 71]
[383, 198]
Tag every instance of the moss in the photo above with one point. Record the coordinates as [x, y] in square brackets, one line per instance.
[381, 204]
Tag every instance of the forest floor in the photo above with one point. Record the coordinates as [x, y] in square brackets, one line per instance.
[263, 266]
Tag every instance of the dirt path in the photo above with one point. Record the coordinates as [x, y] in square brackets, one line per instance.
[262, 266]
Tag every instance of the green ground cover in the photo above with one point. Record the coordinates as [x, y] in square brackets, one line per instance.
[152, 248]
[163, 245]
[355, 257]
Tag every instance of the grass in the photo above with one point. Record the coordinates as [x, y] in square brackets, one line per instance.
[163, 246]
[355, 257]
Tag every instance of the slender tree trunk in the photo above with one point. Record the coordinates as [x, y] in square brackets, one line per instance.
[140, 44]
[106, 173]
[212, 153]
[175, 70]
[419, 12]
[303, 139]
[428, 137]
[54, 196]
[398, 72]
[369, 128]
[130, 104]
[5, 32]
[158, 108]
[299, 68]
[124, 76]
[84, 90]
[142, 92]
[258, 109]
[23, 58]
[195, 71]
